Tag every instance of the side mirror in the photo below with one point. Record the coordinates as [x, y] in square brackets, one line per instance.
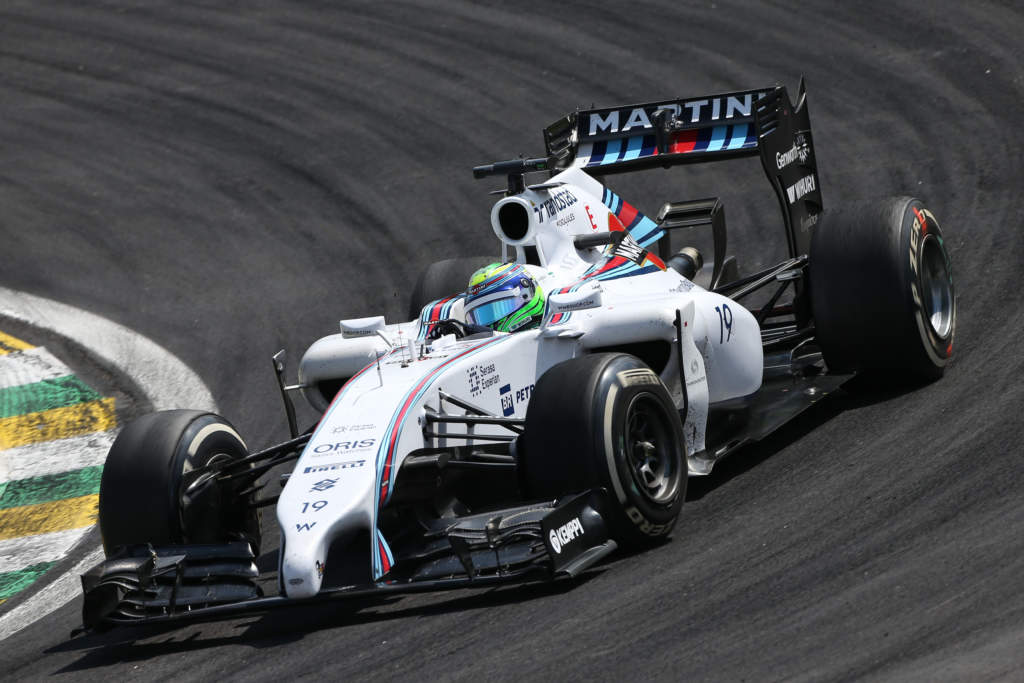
[362, 327]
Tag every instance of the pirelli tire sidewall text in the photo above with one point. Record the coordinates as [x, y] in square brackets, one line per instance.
[576, 439]
[144, 490]
[870, 266]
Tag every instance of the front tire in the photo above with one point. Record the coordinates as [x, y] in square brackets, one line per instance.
[150, 494]
[606, 420]
[882, 292]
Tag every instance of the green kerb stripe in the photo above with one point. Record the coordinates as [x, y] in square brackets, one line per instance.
[51, 487]
[46, 395]
[13, 582]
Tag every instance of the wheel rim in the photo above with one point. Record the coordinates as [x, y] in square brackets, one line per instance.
[651, 451]
[937, 287]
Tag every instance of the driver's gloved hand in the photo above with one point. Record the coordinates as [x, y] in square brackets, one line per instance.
[456, 327]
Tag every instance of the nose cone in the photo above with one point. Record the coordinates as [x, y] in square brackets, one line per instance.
[317, 508]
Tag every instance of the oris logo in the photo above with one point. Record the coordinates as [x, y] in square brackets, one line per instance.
[565, 534]
[344, 446]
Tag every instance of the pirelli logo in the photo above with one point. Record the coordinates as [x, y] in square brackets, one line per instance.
[638, 376]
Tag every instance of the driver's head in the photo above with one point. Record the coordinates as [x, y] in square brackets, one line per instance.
[504, 297]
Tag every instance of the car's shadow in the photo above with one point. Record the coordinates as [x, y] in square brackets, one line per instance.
[287, 624]
[861, 391]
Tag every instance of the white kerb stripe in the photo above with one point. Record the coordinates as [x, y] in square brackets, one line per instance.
[18, 553]
[30, 366]
[167, 382]
[51, 597]
[51, 457]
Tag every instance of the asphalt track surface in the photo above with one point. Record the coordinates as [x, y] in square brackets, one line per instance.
[232, 178]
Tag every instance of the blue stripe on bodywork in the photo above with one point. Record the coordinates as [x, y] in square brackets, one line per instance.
[717, 138]
[636, 144]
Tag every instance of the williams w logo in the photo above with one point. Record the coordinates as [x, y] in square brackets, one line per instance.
[305, 527]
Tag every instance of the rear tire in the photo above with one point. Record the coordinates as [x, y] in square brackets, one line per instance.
[443, 279]
[606, 420]
[881, 286]
[144, 491]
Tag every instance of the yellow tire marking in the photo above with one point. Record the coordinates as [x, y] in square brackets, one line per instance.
[59, 423]
[60, 515]
[9, 344]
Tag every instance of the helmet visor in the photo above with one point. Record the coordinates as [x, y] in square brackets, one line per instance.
[492, 311]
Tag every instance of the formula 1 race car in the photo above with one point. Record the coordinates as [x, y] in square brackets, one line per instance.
[452, 454]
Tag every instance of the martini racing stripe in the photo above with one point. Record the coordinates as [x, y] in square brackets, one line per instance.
[433, 312]
[725, 137]
[384, 467]
[640, 227]
[385, 471]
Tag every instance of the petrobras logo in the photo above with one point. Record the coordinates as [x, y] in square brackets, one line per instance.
[565, 534]
[706, 110]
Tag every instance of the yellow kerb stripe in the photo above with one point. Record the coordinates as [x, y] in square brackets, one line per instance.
[9, 343]
[59, 423]
[60, 515]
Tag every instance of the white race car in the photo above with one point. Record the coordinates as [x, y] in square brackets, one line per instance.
[451, 453]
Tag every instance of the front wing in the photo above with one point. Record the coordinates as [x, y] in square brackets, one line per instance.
[544, 541]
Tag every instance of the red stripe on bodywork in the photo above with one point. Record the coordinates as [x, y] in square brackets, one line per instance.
[392, 442]
[627, 214]
[683, 142]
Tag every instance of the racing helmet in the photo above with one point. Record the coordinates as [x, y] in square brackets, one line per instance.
[504, 297]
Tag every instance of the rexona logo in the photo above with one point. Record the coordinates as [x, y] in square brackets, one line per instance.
[565, 534]
[343, 446]
[800, 188]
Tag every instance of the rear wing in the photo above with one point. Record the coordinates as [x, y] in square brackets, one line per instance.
[746, 123]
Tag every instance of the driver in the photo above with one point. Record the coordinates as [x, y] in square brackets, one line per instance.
[504, 297]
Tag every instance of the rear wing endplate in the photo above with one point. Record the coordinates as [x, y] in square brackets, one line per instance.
[745, 123]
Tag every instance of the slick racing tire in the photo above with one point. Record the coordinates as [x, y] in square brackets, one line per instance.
[882, 292]
[607, 421]
[443, 279]
[150, 493]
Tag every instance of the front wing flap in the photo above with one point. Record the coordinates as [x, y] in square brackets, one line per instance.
[146, 584]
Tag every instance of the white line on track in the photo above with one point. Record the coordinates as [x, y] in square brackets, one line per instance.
[30, 366]
[67, 587]
[62, 455]
[165, 379]
[18, 553]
